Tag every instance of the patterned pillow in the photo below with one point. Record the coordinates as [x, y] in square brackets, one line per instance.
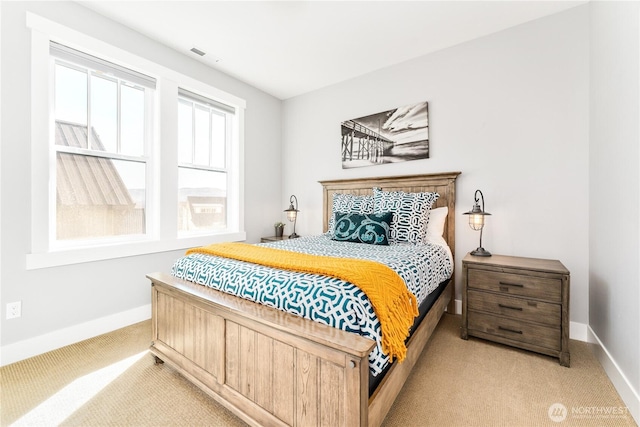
[349, 203]
[410, 213]
[372, 229]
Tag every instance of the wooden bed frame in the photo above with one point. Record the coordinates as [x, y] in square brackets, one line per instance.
[273, 368]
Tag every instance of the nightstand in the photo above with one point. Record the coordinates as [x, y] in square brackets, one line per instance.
[273, 239]
[521, 302]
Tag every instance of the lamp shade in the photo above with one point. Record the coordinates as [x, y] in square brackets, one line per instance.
[292, 213]
[476, 217]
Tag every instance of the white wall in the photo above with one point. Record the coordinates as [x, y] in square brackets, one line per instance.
[509, 110]
[76, 296]
[614, 210]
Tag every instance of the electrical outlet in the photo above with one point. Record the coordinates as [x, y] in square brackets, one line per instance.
[14, 309]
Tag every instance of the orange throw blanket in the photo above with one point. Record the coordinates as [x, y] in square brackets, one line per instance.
[394, 305]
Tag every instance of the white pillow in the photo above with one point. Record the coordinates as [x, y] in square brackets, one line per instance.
[435, 229]
[437, 218]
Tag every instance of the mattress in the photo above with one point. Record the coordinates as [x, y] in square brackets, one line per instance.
[323, 299]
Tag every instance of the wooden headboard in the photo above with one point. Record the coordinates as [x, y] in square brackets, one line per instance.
[442, 183]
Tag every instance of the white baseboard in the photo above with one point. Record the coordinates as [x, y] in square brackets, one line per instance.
[578, 331]
[629, 395]
[41, 344]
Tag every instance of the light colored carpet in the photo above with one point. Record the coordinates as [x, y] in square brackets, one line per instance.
[111, 380]
[485, 384]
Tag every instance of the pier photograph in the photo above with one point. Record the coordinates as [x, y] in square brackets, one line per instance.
[397, 135]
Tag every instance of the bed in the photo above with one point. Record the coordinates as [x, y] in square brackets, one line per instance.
[274, 368]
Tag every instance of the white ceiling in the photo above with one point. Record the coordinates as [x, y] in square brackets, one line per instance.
[287, 48]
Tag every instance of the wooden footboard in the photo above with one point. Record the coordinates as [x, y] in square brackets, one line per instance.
[270, 367]
[267, 366]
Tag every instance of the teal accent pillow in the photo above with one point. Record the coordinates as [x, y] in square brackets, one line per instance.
[372, 229]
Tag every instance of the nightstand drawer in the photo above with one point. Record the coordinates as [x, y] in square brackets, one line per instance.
[515, 330]
[518, 308]
[516, 284]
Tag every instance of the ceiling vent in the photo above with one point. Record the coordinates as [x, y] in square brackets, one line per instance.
[197, 51]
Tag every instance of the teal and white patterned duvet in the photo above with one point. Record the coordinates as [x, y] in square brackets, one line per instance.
[323, 299]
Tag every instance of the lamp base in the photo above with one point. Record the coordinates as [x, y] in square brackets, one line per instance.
[480, 252]
[293, 235]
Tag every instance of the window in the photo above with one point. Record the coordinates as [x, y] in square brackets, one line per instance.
[109, 170]
[204, 135]
[102, 125]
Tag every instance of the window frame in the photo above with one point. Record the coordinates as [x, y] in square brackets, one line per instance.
[145, 158]
[199, 101]
[162, 197]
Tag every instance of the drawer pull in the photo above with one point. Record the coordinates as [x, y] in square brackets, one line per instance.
[509, 330]
[510, 307]
[517, 285]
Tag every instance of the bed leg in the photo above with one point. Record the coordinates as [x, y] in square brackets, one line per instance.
[158, 360]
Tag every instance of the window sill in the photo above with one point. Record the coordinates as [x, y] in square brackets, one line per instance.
[78, 256]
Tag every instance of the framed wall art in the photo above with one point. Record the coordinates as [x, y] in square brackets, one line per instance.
[395, 135]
